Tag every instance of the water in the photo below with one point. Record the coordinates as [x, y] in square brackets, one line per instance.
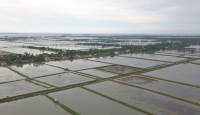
[185, 73]
[18, 88]
[39, 105]
[77, 64]
[152, 102]
[197, 61]
[99, 73]
[19, 50]
[155, 57]
[36, 70]
[61, 80]
[8, 75]
[140, 63]
[88, 103]
[178, 90]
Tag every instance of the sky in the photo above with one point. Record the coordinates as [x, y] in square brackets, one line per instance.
[101, 16]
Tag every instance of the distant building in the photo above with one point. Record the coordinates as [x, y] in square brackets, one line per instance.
[47, 59]
[193, 48]
[2, 63]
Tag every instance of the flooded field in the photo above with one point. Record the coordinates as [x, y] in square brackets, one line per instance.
[99, 73]
[197, 61]
[88, 103]
[77, 64]
[39, 105]
[178, 90]
[18, 88]
[140, 63]
[18, 50]
[155, 57]
[120, 69]
[36, 70]
[64, 79]
[185, 73]
[152, 102]
[8, 75]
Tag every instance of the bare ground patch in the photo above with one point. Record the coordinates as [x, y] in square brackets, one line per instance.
[120, 69]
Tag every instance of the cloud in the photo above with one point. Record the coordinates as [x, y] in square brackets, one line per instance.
[28, 15]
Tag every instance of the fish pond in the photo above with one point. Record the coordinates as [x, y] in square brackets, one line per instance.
[99, 73]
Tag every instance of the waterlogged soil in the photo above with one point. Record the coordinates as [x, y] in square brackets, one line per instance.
[87, 103]
[140, 63]
[149, 101]
[77, 64]
[39, 105]
[7, 75]
[36, 70]
[99, 73]
[178, 90]
[64, 79]
[155, 57]
[185, 73]
[120, 69]
[18, 88]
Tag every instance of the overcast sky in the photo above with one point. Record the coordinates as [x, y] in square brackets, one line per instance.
[101, 16]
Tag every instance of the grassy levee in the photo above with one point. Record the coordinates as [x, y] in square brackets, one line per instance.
[85, 75]
[145, 59]
[12, 81]
[164, 94]
[31, 81]
[18, 97]
[172, 81]
[18, 72]
[51, 74]
[54, 66]
[133, 107]
[62, 106]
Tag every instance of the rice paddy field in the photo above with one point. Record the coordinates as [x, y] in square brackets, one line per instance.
[139, 63]
[77, 64]
[103, 86]
[184, 73]
[7, 75]
[36, 70]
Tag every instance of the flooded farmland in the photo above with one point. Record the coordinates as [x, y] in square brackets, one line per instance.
[99, 73]
[18, 88]
[8, 75]
[36, 70]
[196, 61]
[39, 105]
[140, 63]
[155, 57]
[154, 103]
[64, 79]
[178, 90]
[87, 103]
[77, 64]
[18, 50]
[185, 73]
